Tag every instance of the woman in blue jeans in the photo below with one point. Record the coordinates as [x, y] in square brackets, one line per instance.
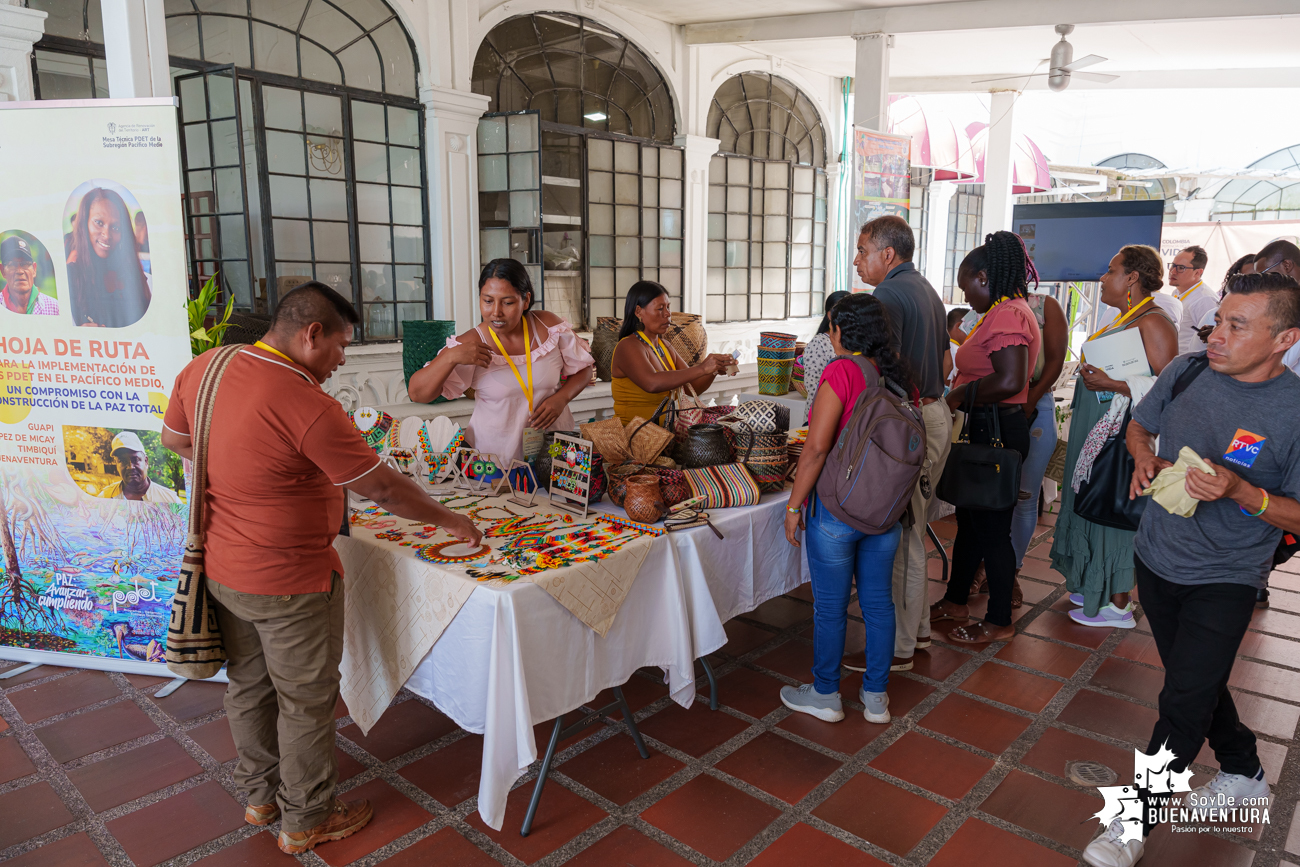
[837, 553]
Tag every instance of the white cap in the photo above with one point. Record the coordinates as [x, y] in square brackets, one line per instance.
[127, 440]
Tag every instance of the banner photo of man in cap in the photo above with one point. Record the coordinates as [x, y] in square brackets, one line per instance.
[26, 268]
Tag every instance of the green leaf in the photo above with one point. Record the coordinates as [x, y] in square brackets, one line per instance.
[199, 334]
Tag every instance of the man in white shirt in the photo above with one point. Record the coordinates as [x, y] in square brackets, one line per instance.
[1197, 299]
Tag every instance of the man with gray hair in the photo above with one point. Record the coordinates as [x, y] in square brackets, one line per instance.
[1185, 282]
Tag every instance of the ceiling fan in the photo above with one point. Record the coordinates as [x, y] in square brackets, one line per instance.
[1063, 65]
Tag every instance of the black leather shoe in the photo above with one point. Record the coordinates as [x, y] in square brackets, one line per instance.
[1261, 597]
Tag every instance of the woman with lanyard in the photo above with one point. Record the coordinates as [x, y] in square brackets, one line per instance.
[524, 367]
[995, 361]
[646, 368]
[1097, 561]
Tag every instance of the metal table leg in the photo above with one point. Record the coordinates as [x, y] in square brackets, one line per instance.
[938, 543]
[713, 683]
[559, 732]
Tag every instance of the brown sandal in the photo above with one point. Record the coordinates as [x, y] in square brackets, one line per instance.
[977, 633]
[937, 614]
[980, 583]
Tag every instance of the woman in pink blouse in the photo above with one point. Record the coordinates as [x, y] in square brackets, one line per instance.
[515, 361]
[995, 361]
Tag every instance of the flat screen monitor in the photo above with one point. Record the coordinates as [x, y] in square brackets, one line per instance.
[1074, 241]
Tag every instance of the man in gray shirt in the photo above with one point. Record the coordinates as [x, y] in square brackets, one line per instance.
[1197, 576]
[917, 316]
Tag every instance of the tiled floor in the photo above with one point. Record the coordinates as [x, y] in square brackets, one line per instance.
[95, 769]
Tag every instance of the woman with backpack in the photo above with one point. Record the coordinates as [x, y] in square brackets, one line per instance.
[994, 363]
[838, 552]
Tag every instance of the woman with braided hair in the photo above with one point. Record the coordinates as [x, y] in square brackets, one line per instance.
[994, 365]
[1097, 561]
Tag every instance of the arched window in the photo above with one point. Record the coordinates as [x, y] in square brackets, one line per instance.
[767, 202]
[1261, 198]
[68, 61]
[1131, 161]
[573, 71]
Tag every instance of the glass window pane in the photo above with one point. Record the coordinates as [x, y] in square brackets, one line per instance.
[670, 193]
[324, 156]
[803, 179]
[274, 50]
[196, 142]
[717, 254]
[403, 126]
[670, 223]
[225, 40]
[671, 279]
[800, 280]
[670, 163]
[66, 76]
[649, 252]
[625, 157]
[292, 239]
[625, 220]
[492, 174]
[774, 253]
[328, 200]
[650, 222]
[801, 232]
[525, 209]
[626, 189]
[323, 114]
[602, 251]
[801, 305]
[718, 199]
[361, 66]
[408, 208]
[738, 171]
[623, 280]
[375, 243]
[600, 187]
[803, 205]
[380, 321]
[738, 200]
[801, 256]
[404, 163]
[602, 283]
[284, 153]
[411, 313]
[371, 161]
[282, 108]
[230, 191]
[627, 251]
[367, 120]
[399, 64]
[737, 281]
[777, 175]
[737, 226]
[717, 226]
[600, 154]
[523, 171]
[715, 308]
[650, 191]
[774, 228]
[649, 160]
[408, 244]
[492, 135]
[288, 196]
[773, 306]
[233, 239]
[493, 244]
[332, 243]
[372, 203]
[776, 201]
[410, 283]
[602, 219]
[522, 132]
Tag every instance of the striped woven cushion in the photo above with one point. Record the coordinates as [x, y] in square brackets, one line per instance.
[723, 486]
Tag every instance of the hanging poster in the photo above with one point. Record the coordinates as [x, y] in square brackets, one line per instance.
[881, 181]
[92, 335]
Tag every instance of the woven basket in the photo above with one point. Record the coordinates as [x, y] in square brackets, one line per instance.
[687, 335]
[765, 455]
[796, 380]
[672, 483]
[422, 339]
[608, 439]
[604, 337]
[774, 376]
[646, 439]
[777, 340]
[705, 445]
[616, 479]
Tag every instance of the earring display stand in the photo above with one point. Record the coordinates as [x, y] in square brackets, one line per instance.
[570, 483]
[522, 481]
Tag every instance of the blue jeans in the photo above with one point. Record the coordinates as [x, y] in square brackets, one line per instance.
[836, 554]
[1042, 442]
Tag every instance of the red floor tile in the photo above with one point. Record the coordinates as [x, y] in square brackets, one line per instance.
[401, 729]
[164, 830]
[781, 612]
[75, 851]
[804, 592]
[1012, 686]
[561, 816]
[1033, 592]
[193, 700]
[743, 637]
[1271, 757]
[1041, 570]
[804, 844]
[95, 730]
[793, 659]
[35, 674]
[1056, 747]
[625, 846]
[1129, 678]
[872, 809]
[1139, 647]
[696, 730]
[979, 844]
[1285, 600]
[30, 812]
[4, 726]
[1276, 622]
[613, 768]
[904, 694]
[975, 723]
[348, 766]
[1267, 716]
[937, 661]
[144, 681]
[259, 850]
[1202, 850]
[933, 765]
[1268, 679]
[60, 696]
[542, 733]
[447, 848]
[748, 691]
[395, 816]
[639, 692]
[340, 709]
[779, 766]
[1054, 624]
[1045, 656]
[711, 816]
[215, 739]
[14, 763]
[1269, 648]
[114, 781]
[849, 735]
[1045, 808]
[451, 774]
[1107, 715]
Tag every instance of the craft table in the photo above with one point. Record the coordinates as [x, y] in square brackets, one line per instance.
[512, 656]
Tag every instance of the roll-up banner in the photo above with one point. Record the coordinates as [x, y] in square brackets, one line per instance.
[93, 331]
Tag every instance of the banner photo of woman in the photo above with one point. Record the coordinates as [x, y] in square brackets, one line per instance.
[108, 281]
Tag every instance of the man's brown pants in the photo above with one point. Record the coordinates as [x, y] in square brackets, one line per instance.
[284, 683]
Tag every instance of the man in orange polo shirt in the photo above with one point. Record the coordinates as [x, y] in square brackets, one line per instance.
[280, 452]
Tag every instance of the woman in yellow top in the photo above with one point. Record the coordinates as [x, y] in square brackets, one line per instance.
[645, 366]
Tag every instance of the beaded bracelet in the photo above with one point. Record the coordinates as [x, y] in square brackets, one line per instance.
[1262, 506]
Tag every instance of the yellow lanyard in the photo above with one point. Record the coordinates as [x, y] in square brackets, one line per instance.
[665, 359]
[1183, 297]
[1116, 324]
[980, 321]
[271, 349]
[526, 388]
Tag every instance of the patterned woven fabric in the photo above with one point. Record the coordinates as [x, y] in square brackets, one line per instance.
[723, 486]
[762, 416]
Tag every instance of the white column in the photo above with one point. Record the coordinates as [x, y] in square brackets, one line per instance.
[135, 49]
[451, 139]
[871, 81]
[695, 234]
[997, 163]
[20, 29]
[936, 242]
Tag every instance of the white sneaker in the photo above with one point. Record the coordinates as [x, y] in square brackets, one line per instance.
[875, 705]
[1234, 786]
[806, 699]
[1109, 850]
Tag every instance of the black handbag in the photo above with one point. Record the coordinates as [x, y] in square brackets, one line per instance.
[1103, 499]
[985, 477]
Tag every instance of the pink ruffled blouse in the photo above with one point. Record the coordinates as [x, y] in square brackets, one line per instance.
[500, 409]
[1011, 323]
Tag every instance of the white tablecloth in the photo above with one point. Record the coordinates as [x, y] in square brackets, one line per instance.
[515, 657]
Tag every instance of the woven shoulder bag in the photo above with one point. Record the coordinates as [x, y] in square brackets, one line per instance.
[194, 647]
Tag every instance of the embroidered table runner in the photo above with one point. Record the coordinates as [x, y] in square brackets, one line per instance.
[402, 592]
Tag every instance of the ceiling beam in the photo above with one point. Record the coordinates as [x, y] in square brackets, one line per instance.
[978, 15]
[1165, 79]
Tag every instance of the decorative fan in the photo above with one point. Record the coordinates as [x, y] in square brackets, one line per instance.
[1063, 65]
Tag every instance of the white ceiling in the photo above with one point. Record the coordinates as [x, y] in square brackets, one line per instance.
[697, 12]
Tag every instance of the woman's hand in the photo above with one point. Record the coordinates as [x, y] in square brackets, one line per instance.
[468, 352]
[715, 363]
[1097, 380]
[793, 524]
[546, 412]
